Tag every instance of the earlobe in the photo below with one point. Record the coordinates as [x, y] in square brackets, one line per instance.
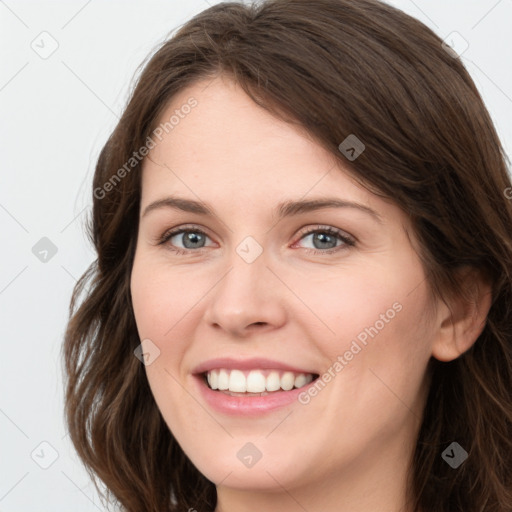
[462, 320]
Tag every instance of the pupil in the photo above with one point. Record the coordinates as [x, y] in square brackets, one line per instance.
[324, 238]
[193, 238]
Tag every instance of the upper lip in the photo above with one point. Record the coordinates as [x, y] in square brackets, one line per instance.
[254, 363]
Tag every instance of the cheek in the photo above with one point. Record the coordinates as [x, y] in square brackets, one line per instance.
[161, 316]
[356, 304]
[157, 310]
[148, 298]
[389, 349]
[161, 297]
[377, 324]
[167, 303]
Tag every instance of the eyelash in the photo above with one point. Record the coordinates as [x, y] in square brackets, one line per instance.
[349, 242]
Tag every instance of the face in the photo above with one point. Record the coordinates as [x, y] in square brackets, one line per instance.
[337, 292]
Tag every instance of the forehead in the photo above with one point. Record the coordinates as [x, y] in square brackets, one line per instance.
[227, 149]
[227, 127]
[227, 138]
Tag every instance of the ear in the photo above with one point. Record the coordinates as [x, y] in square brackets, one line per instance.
[463, 319]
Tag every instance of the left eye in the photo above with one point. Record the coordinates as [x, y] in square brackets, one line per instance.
[323, 238]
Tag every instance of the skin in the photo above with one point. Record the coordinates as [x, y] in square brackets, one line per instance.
[349, 448]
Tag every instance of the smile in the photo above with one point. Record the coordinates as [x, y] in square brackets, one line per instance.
[251, 387]
[257, 382]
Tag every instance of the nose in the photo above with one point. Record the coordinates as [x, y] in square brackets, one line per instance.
[247, 299]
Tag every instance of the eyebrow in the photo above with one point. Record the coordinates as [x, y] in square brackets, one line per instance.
[284, 209]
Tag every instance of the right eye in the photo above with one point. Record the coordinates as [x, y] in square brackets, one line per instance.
[191, 236]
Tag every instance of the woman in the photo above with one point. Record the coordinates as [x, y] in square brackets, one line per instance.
[341, 336]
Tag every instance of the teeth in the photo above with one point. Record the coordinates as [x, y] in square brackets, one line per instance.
[287, 381]
[273, 381]
[256, 381]
[223, 382]
[237, 382]
[213, 380]
[300, 380]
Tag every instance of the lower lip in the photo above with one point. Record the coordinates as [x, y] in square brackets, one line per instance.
[248, 405]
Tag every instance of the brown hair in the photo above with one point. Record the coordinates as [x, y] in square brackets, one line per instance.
[334, 67]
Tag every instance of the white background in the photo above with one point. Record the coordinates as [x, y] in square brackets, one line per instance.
[56, 114]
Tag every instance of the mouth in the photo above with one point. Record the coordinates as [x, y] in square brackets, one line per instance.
[256, 382]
